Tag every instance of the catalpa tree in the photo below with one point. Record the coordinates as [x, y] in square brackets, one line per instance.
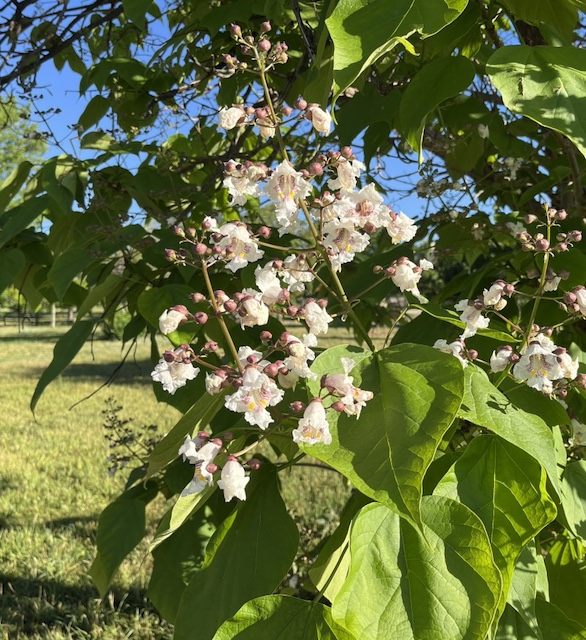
[269, 216]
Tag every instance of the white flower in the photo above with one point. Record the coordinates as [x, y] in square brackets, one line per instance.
[234, 480]
[285, 187]
[348, 171]
[538, 365]
[266, 127]
[569, 366]
[401, 228]
[364, 207]
[239, 246]
[408, 274]
[299, 356]
[493, 297]
[214, 382]
[453, 348]
[191, 446]
[257, 393]
[472, 317]
[342, 384]
[513, 164]
[313, 428]
[581, 299]
[173, 375]
[320, 119]
[243, 181]
[252, 312]
[230, 118]
[268, 283]
[343, 242]
[170, 319]
[246, 355]
[317, 318]
[483, 130]
[201, 459]
[296, 273]
[500, 359]
[552, 281]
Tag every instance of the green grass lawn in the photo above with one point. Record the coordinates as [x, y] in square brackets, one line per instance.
[54, 482]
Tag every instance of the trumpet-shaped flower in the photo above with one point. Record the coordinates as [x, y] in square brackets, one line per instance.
[173, 375]
[313, 428]
[234, 480]
[257, 393]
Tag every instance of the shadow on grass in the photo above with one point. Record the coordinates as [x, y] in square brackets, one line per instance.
[44, 607]
[136, 372]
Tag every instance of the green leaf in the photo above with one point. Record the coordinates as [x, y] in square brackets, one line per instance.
[505, 487]
[485, 406]
[245, 559]
[65, 350]
[566, 572]
[363, 31]
[385, 454]
[545, 84]
[175, 561]
[511, 626]
[330, 568]
[98, 293]
[136, 11]
[13, 183]
[197, 418]
[555, 625]
[282, 617]
[574, 497]
[120, 528]
[66, 267]
[523, 591]
[437, 81]
[19, 218]
[95, 110]
[12, 262]
[554, 14]
[408, 585]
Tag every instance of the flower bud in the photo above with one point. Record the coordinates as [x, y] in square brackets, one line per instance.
[264, 232]
[200, 248]
[301, 104]
[235, 31]
[201, 317]
[542, 245]
[570, 298]
[230, 306]
[271, 370]
[254, 464]
[297, 406]
[473, 354]
[286, 111]
[178, 231]
[338, 406]
[561, 215]
[211, 468]
[530, 218]
[169, 356]
[266, 336]
[264, 45]
[292, 311]
[561, 247]
[316, 169]
[575, 236]
[170, 255]
[347, 153]
[217, 442]
[211, 345]
[265, 27]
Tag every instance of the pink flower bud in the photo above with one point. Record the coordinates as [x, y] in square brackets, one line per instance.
[196, 297]
[169, 356]
[265, 27]
[212, 468]
[178, 231]
[297, 406]
[338, 406]
[200, 248]
[316, 169]
[530, 218]
[271, 370]
[211, 346]
[266, 336]
[230, 306]
[235, 31]
[561, 215]
[201, 317]
[301, 104]
[570, 298]
[542, 245]
[286, 111]
[473, 354]
[264, 45]
[217, 442]
[347, 153]
[254, 464]
[292, 311]
[264, 232]
[170, 255]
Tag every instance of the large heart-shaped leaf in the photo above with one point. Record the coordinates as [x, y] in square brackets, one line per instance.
[274, 617]
[406, 585]
[505, 487]
[545, 84]
[247, 557]
[418, 391]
